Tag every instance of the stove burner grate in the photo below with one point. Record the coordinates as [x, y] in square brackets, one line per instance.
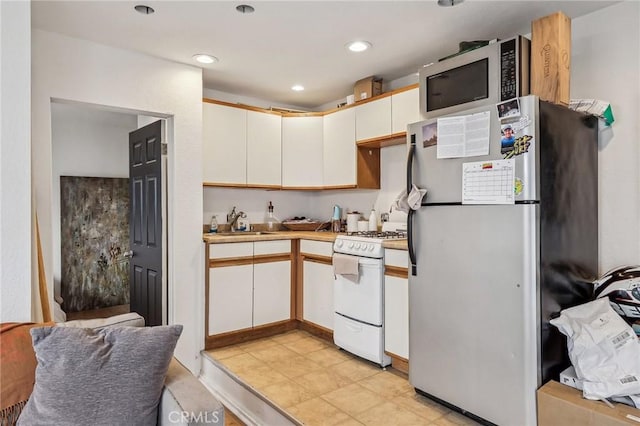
[385, 235]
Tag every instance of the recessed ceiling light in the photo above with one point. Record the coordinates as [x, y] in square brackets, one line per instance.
[447, 3]
[245, 8]
[358, 46]
[145, 10]
[204, 58]
[297, 87]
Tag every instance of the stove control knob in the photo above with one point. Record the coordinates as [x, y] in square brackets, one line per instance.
[338, 243]
[350, 245]
[371, 247]
[366, 247]
[357, 246]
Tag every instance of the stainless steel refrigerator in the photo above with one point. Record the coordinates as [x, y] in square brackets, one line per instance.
[484, 278]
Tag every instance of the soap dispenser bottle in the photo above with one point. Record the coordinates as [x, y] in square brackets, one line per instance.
[271, 221]
[373, 221]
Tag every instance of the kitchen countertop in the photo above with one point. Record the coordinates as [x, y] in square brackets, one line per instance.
[290, 235]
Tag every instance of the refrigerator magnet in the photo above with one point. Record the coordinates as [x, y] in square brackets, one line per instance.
[509, 109]
[518, 186]
[430, 134]
[507, 139]
[520, 146]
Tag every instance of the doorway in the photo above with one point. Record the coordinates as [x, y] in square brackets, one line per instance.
[90, 144]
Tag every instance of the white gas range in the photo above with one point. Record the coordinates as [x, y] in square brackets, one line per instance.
[359, 299]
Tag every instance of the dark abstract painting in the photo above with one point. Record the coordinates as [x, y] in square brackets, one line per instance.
[94, 218]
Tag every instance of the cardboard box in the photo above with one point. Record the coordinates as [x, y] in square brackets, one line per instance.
[559, 404]
[551, 58]
[367, 88]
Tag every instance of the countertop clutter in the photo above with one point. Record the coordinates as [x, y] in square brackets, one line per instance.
[214, 238]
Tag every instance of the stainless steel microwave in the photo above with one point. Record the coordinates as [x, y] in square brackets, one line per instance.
[488, 75]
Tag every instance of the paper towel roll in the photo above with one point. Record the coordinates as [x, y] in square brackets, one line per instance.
[352, 222]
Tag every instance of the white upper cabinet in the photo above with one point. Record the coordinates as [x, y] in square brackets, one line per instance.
[224, 144]
[340, 148]
[302, 151]
[405, 109]
[373, 119]
[264, 149]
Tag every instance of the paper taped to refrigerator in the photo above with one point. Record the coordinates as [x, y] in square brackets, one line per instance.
[464, 136]
[488, 182]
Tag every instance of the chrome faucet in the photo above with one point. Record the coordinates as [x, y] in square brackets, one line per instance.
[233, 217]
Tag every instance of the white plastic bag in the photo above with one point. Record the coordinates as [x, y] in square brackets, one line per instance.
[603, 349]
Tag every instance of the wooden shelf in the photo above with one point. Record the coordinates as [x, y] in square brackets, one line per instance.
[384, 141]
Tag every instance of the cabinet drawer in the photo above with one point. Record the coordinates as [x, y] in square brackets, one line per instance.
[227, 250]
[399, 258]
[271, 247]
[321, 248]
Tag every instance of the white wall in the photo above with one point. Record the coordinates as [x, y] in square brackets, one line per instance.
[605, 64]
[15, 174]
[313, 204]
[90, 142]
[81, 71]
[254, 202]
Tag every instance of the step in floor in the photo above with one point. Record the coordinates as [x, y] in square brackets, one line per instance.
[299, 379]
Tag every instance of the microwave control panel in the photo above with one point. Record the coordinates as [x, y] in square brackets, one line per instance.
[508, 70]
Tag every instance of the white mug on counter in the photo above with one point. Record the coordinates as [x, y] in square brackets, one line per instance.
[363, 225]
[352, 222]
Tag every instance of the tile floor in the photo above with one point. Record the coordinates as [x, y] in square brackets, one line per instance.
[319, 384]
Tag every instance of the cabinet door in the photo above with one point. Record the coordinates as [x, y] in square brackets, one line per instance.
[271, 292]
[230, 298]
[318, 293]
[373, 119]
[224, 144]
[396, 316]
[405, 109]
[339, 150]
[264, 149]
[302, 163]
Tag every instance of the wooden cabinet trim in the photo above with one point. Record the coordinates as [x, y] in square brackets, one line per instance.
[396, 271]
[227, 185]
[247, 334]
[241, 106]
[233, 261]
[384, 141]
[325, 260]
[406, 88]
[268, 258]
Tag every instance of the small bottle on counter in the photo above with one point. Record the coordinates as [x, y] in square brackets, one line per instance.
[213, 227]
[271, 221]
[373, 221]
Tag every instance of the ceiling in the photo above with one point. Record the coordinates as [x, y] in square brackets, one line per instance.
[292, 42]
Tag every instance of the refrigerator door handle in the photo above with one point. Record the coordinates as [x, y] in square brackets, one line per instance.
[412, 253]
[412, 152]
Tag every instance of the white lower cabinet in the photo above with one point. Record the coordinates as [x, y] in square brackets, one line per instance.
[271, 292]
[396, 316]
[396, 303]
[317, 282]
[244, 293]
[318, 294]
[230, 298]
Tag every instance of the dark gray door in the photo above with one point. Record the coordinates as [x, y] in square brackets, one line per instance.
[145, 222]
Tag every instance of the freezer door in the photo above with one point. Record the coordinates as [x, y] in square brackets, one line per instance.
[473, 309]
[443, 177]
